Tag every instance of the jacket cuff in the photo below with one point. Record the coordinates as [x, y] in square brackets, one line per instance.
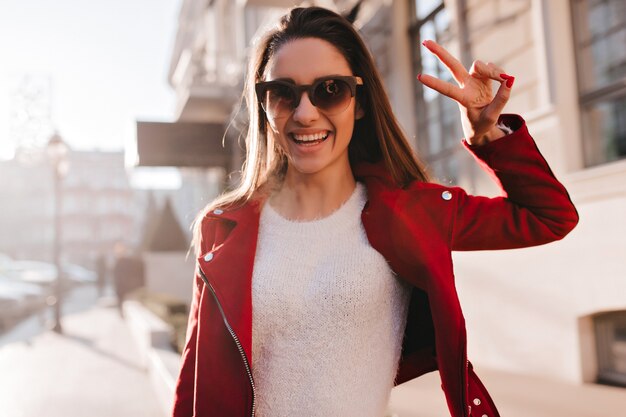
[520, 132]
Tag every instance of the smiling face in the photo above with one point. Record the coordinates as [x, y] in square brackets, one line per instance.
[316, 144]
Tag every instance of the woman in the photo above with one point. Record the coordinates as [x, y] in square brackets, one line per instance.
[325, 278]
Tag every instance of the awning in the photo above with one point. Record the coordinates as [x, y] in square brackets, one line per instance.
[182, 144]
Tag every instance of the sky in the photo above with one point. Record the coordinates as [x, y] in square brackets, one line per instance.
[106, 62]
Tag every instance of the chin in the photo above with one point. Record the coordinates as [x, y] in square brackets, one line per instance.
[308, 168]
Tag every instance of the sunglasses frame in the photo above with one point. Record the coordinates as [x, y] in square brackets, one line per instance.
[261, 88]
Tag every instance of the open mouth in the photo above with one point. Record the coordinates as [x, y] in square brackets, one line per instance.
[309, 140]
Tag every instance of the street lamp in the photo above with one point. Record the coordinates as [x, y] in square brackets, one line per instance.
[57, 152]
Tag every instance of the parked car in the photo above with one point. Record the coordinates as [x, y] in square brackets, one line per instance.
[18, 299]
[35, 272]
[80, 274]
[44, 273]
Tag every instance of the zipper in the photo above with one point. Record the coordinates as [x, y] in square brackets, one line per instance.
[235, 338]
[469, 407]
[465, 381]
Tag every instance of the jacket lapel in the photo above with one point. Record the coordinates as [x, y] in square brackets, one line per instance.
[228, 267]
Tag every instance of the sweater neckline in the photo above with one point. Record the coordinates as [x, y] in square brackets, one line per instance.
[357, 198]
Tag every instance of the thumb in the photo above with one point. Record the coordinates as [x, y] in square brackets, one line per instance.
[495, 108]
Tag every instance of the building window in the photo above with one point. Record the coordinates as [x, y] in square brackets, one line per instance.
[438, 124]
[610, 330]
[600, 36]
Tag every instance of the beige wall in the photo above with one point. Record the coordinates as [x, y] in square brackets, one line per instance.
[170, 273]
[528, 310]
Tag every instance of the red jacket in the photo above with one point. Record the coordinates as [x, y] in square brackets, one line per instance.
[415, 229]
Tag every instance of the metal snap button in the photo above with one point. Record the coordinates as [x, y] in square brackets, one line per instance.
[446, 195]
[218, 211]
[208, 257]
[476, 401]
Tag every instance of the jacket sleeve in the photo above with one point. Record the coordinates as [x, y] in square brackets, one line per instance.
[534, 207]
[185, 384]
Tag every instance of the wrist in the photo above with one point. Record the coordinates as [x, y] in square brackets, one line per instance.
[493, 134]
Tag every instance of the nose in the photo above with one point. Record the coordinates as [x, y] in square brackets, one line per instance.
[306, 112]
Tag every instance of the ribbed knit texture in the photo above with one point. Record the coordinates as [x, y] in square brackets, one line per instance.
[328, 317]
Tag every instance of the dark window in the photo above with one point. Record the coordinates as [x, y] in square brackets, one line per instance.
[438, 123]
[610, 329]
[600, 39]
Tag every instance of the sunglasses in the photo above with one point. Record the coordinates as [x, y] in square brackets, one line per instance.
[331, 95]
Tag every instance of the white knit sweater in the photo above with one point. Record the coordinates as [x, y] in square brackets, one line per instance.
[328, 317]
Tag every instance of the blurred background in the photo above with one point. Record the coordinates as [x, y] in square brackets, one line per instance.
[120, 120]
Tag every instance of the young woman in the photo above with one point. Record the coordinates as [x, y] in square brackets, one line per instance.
[325, 278]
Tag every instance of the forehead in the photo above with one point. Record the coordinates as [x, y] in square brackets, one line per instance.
[304, 60]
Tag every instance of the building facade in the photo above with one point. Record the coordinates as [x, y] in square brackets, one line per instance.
[98, 209]
[556, 310]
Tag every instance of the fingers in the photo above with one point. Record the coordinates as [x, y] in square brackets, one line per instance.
[491, 71]
[441, 86]
[479, 70]
[495, 108]
[459, 73]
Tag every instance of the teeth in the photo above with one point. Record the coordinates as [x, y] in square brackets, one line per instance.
[309, 138]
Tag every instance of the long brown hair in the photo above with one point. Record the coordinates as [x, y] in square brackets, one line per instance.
[377, 136]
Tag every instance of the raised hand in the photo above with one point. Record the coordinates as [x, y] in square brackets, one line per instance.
[479, 108]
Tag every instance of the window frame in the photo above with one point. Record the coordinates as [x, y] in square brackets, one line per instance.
[587, 99]
[449, 154]
[605, 330]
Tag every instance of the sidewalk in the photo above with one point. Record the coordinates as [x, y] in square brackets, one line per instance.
[90, 370]
[515, 396]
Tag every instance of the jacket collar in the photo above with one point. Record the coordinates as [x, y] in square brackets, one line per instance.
[374, 171]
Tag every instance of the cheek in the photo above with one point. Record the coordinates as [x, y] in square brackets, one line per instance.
[276, 137]
[346, 127]
[275, 130]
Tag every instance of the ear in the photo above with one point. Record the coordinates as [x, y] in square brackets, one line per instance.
[359, 113]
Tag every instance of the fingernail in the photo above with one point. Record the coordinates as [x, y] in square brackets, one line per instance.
[509, 79]
[419, 77]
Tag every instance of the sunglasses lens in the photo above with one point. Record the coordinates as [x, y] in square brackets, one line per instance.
[279, 100]
[332, 96]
